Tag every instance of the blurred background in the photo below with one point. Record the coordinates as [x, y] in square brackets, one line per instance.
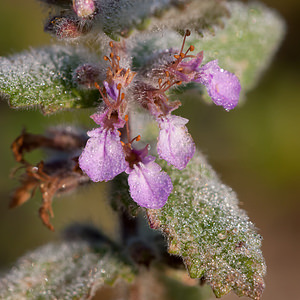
[255, 149]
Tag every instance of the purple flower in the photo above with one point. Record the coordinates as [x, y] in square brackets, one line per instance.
[175, 144]
[148, 185]
[103, 158]
[111, 90]
[222, 86]
[186, 71]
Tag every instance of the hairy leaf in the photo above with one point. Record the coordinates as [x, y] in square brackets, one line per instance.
[204, 225]
[70, 270]
[43, 78]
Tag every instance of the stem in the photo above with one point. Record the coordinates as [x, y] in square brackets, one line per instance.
[128, 226]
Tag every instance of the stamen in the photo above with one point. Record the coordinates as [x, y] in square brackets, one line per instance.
[137, 138]
[126, 77]
[159, 82]
[127, 128]
[118, 70]
[191, 48]
[102, 94]
[167, 73]
[111, 44]
[106, 58]
[121, 96]
[117, 63]
[166, 85]
[111, 55]
[169, 85]
[187, 33]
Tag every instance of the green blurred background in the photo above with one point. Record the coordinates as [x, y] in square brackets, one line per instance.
[255, 150]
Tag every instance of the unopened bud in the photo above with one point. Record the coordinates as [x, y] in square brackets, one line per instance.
[84, 8]
[86, 75]
[64, 27]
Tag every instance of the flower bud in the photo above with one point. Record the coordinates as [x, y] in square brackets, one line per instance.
[86, 75]
[84, 8]
[65, 27]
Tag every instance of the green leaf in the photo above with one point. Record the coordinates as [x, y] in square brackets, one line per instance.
[43, 78]
[122, 17]
[69, 270]
[204, 225]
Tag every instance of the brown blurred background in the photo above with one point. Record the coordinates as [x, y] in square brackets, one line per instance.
[255, 149]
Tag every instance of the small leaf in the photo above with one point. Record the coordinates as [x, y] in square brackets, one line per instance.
[69, 270]
[205, 226]
[43, 78]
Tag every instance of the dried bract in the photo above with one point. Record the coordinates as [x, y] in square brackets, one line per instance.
[53, 178]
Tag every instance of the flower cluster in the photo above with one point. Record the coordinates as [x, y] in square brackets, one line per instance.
[106, 154]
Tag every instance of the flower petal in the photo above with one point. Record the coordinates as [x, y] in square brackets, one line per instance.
[102, 119]
[99, 117]
[186, 70]
[111, 90]
[222, 86]
[102, 158]
[175, 144]
[149, 186]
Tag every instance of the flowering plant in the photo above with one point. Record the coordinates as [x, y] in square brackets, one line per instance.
[106, 156]
[131, 61]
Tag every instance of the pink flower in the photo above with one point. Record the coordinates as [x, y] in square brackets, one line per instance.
[222, 86]
[175, 144]
[185, 71]
[148, 185]
[103, 158]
